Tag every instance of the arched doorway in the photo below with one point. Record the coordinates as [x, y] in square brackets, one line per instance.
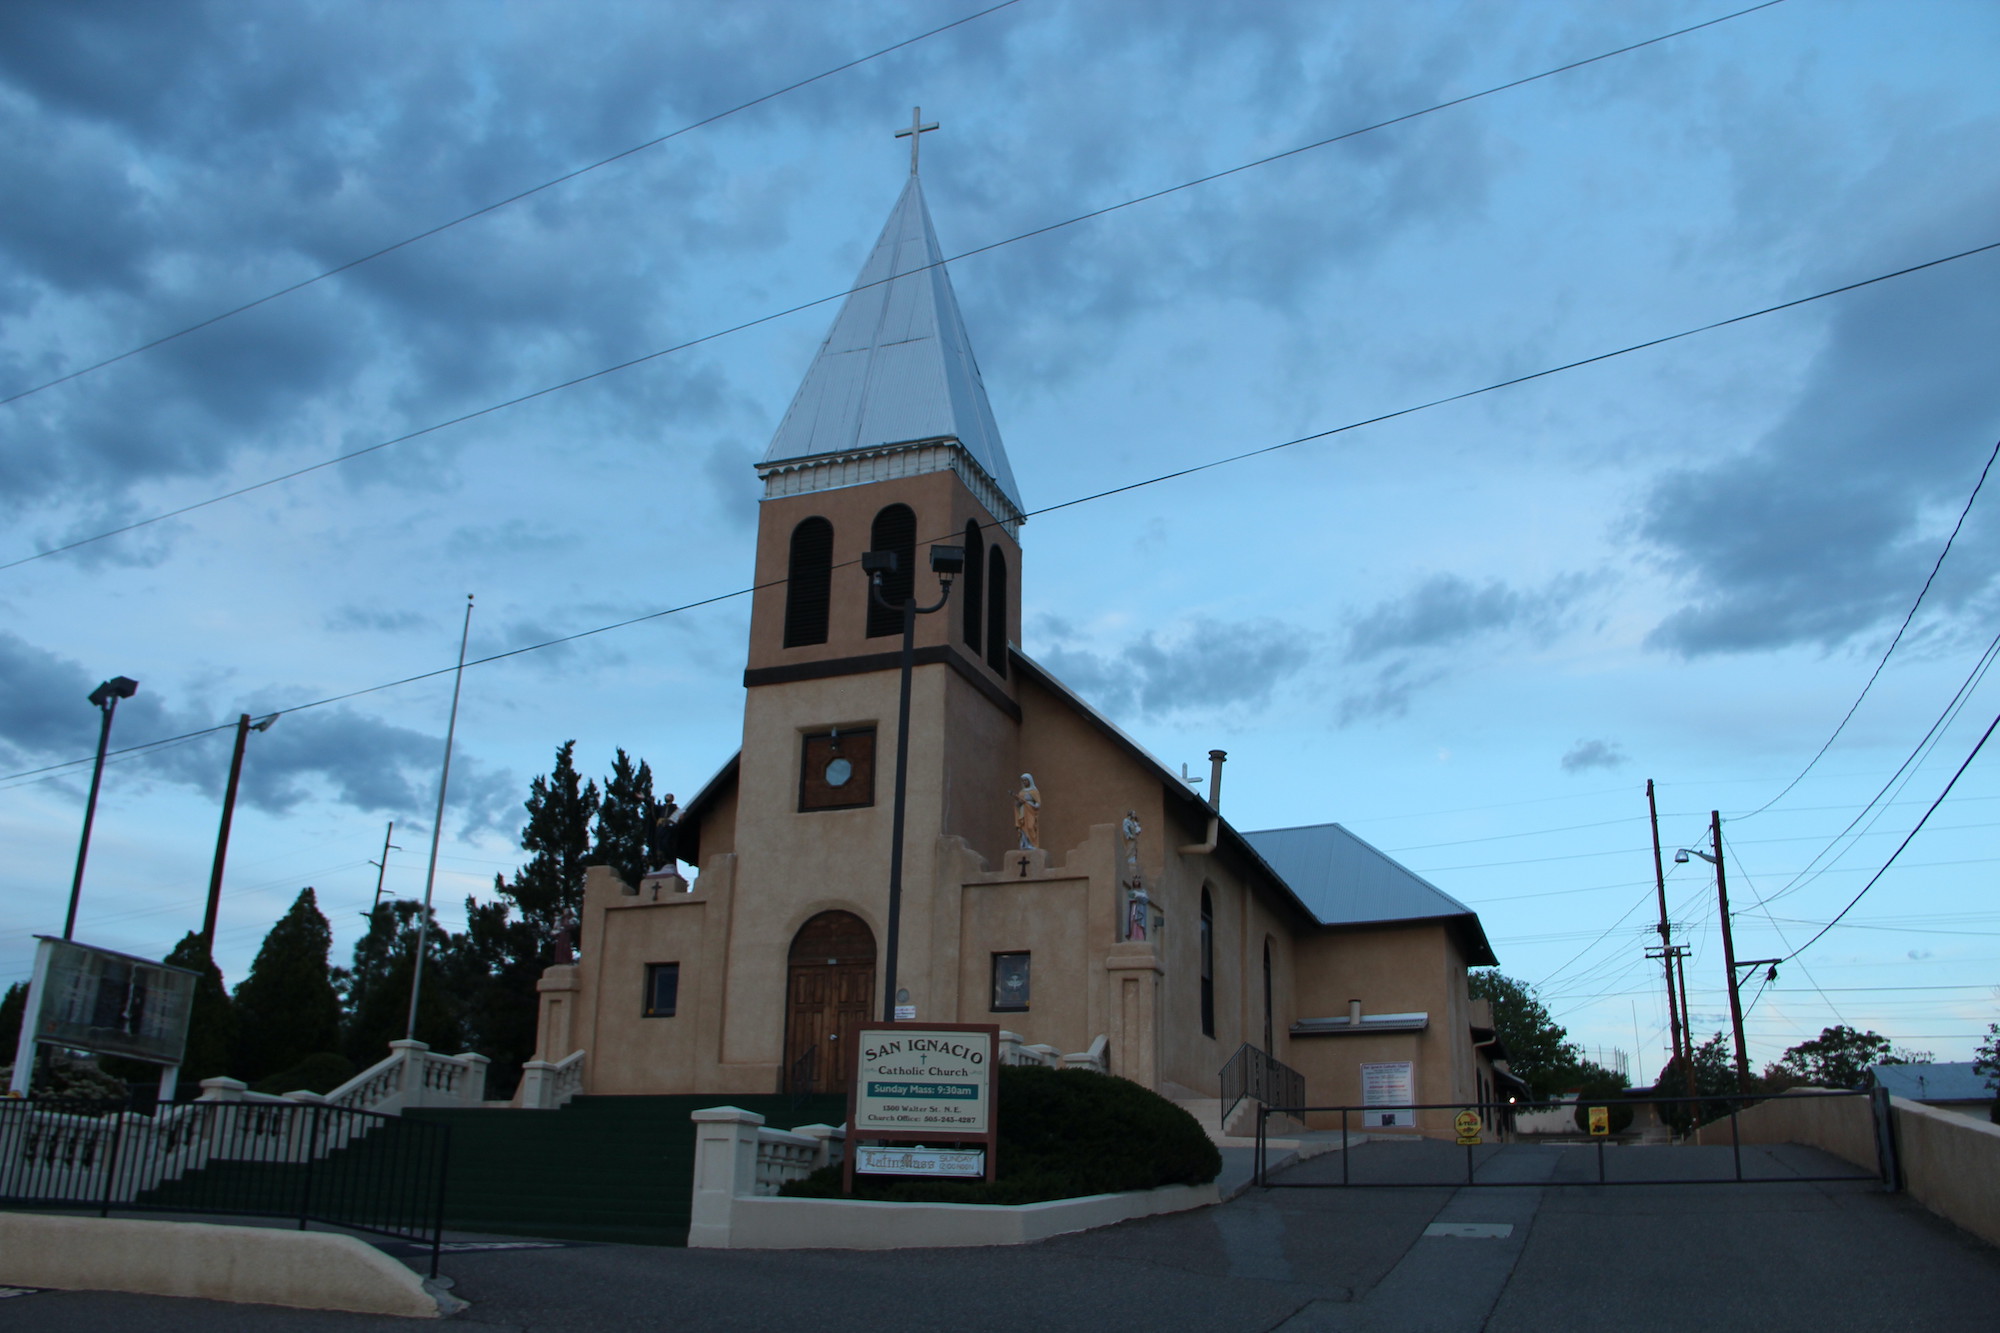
[830, 987]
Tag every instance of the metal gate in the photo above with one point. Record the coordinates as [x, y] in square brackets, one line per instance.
[1387, 1152]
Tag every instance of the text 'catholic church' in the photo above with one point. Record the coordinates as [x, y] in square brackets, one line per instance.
[1098, 908]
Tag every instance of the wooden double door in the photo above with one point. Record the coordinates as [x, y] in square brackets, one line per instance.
[830, 990]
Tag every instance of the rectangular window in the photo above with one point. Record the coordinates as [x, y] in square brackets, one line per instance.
[1010, 983]
[837, 769]
[663, 989]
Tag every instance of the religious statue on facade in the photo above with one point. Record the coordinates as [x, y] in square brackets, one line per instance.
[1028, 813]
[663, 837]
[1136, 901]
[1131, 830]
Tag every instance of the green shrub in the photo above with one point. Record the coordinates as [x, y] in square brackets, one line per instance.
[1064, 1134]
[316, 1073]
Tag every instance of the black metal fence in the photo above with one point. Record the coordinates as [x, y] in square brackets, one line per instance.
[1485, 1140]
[1254, 1073]
[316, 1163]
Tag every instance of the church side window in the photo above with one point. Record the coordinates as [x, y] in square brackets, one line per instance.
[1207, 965]
[894, 529]
[808, 583]
[1010, 982]
[972, 586]
[996, 610]
[663, 989]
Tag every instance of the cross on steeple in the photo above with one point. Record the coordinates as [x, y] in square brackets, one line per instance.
[917, 128]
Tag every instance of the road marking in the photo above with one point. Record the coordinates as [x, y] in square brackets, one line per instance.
[5, 1292]
[1471, 1230]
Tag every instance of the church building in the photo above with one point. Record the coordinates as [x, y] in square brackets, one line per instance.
[1057, 880]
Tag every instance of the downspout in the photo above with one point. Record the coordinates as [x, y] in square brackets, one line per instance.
[1215, 759]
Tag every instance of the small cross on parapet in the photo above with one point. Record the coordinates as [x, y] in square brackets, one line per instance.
[914, 134]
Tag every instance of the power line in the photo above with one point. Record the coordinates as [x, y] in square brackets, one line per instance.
[1155, 480]
[1900, 630]
[1905, 843]
[1134, 201]
[498, 204]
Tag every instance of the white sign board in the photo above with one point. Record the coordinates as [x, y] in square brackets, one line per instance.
[919, 1162]
[91, 999]
[1389, 1083]
[918, 1081]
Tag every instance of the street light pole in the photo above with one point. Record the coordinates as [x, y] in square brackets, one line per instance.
[437, 826]
[244, 726]
[106, 697]
[945, 561]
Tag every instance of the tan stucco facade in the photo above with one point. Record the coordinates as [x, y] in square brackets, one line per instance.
[767, 867]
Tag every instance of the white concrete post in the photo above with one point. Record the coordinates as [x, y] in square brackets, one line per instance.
[725, 1168]
[829, 1141]
[473, 1093]
[223, 1090]
[412, 1053]
[538, 1085]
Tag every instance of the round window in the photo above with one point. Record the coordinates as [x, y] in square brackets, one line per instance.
[838, 772]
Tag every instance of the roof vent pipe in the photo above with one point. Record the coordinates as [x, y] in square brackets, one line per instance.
[1354, 1013]
[1215, 760]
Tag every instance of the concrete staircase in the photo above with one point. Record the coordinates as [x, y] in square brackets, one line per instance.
[1241, 1131]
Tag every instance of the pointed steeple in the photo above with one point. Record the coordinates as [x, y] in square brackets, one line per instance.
[895, 376]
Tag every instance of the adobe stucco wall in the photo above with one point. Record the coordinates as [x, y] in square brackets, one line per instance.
[1843, 1126]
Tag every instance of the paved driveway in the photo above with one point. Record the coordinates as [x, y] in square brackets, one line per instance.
[1532, 1256]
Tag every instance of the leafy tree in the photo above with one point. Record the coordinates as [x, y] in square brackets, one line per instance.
[624, 819]
[1987, 1061]
[1839, 1057]
[286, 1009]
[378, 986]
[1538, 1048]
[561, 808]
[12, 1010]
[212, 1024]
[1714, 1076]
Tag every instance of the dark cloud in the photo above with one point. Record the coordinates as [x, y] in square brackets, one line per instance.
[1586, 755]
[1413, 641]
[1824, 528]
[336, 753]
[1206, 666]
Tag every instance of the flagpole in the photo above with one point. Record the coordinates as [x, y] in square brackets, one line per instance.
[437, 825]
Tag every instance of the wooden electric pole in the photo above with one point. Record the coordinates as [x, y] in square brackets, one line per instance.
[1729, 956]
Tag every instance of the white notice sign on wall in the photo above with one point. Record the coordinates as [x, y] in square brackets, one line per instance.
[1389, 1083]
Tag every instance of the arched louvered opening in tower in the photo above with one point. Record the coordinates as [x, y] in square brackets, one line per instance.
[996, 610]
[808, 583]
[895, 529]
[972, 586]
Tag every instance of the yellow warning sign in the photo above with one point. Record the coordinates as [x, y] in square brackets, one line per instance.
[1600, 1120]
[1468, 1127]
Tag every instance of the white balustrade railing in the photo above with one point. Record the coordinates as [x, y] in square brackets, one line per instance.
[547, 1084]
[413, 1075]
[1096, 1059]
[1014, 1050]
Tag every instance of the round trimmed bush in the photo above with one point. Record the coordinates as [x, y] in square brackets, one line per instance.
[1064, 1134]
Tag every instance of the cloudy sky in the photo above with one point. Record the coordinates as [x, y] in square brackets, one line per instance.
[1469, 633]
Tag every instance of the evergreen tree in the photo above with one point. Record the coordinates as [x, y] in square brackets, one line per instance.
[286, 1009]
[624, 819]
[561, 808]
[212, 1023]
[12, 1009]
[378, 986]
[495, 967]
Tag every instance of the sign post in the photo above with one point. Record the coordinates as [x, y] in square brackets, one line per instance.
[916, 1084]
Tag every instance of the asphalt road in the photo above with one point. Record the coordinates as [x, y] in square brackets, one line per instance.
[1532, 1255]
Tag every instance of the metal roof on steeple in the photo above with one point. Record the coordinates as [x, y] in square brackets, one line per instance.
[897, 368]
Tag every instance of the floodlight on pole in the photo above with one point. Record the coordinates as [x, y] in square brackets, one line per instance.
[106, 697]
[946, 561]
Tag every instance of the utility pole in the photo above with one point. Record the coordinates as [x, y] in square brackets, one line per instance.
[244, 726]
[1666, 931]
[1729, 956]
[382, 866]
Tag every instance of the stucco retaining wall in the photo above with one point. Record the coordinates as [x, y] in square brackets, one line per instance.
[1841, 1125]
[311, 1270]
[867, 1224]
[1951, 1165]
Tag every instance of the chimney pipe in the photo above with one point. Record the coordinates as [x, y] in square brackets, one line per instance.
[1215, 758]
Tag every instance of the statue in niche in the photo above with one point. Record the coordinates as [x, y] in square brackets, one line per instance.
[663, 838]
[1136, 901]
[1131, 829]
[1028, 813]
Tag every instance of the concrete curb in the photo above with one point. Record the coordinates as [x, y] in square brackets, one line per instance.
[771, 1223]
[309, 1270]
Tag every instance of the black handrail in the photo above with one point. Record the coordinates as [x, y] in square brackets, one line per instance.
[1254, 1073]
[316, 1163]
